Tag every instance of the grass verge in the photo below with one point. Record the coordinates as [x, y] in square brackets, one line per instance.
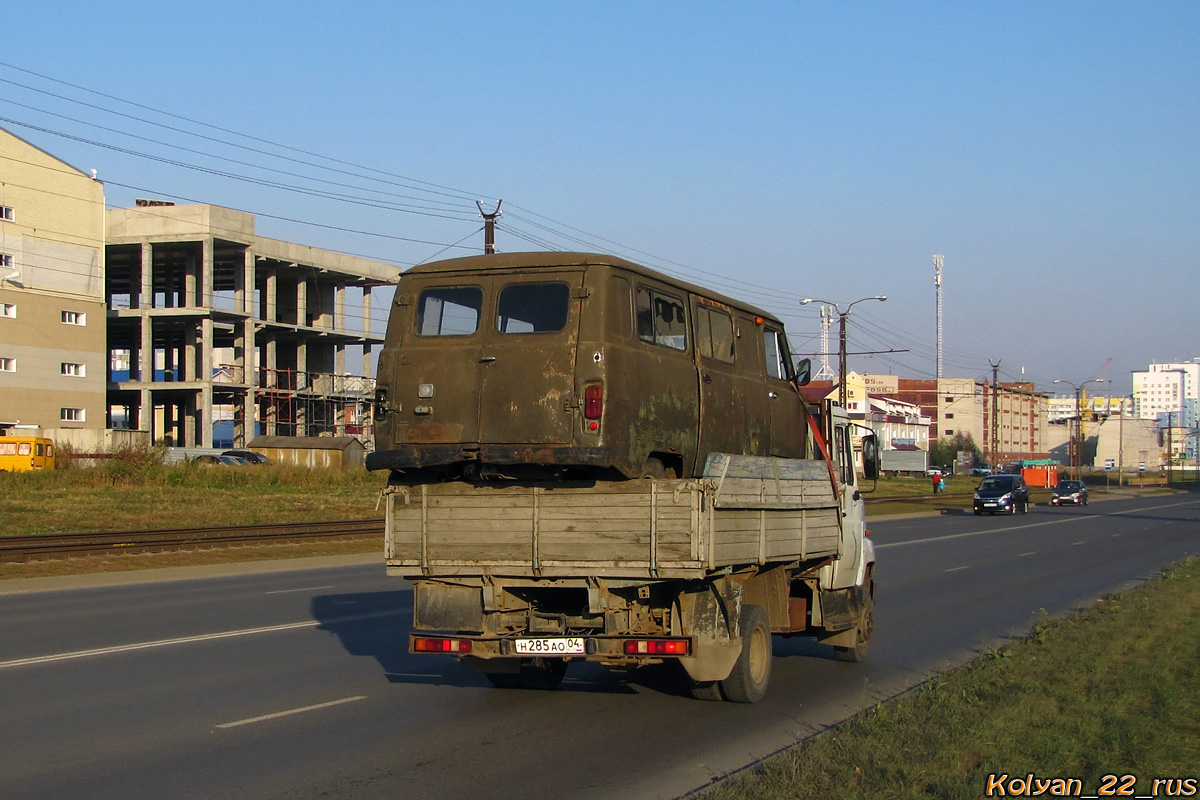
[1105, 694]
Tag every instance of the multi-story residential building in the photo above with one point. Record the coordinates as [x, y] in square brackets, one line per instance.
[52, 320]
[213, 327]
[897, 424]
[1163, 388]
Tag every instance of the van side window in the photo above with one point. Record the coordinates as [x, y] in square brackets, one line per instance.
[533, 307]
[714, 334]
[661, 319]
[779, 364]
[449, 311]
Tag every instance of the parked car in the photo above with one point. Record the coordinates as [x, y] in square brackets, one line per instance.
[248, 456]
[1073, 492]
[1007, 493]
[219, 461]
[981, 470]
[929, 473]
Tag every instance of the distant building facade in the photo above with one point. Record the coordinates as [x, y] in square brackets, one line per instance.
[52, 315]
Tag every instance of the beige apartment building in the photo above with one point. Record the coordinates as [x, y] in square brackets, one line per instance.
[53, 362]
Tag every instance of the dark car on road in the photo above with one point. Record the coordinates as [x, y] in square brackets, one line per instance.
[1005, 493]
[1070, 492]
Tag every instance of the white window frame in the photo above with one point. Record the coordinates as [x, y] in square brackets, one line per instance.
[8, 364]
[8, 310]
[6, 260]
[66, 414]
[74, 317]
[73, 369]
[6, 213]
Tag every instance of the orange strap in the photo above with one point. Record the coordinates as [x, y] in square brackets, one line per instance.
[820, 440]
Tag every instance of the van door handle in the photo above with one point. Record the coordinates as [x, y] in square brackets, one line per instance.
[487, 359]
[704, 376]
[772, 395]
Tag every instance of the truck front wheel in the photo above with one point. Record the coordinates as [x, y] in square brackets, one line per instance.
[862, 631]
[747, 683]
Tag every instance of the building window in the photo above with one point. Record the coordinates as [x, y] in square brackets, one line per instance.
[74, 370]
[6, 260]
[6, 213]
[949, 416]
[74, 318]
[8, 310]
[8, 365]
[71, 415]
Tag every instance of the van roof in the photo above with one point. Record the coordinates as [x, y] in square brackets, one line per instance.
[503, 261]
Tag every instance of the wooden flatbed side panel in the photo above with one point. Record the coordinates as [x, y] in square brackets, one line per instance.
[738, 535]
[763, 482]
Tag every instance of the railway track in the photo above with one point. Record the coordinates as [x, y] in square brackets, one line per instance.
[26, 548]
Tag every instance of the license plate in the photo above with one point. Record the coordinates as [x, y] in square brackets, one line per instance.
[549, 647]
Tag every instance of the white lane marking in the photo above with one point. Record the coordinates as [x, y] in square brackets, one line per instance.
[1030, 553]
[1076, 544]
[291, 711]
[305, 589]
[956, 569]
[204, 637]
[995, 531]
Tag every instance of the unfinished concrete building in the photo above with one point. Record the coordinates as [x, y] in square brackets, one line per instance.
[216, 334]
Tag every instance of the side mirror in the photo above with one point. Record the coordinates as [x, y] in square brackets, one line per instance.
[870, 454]
[804, 372]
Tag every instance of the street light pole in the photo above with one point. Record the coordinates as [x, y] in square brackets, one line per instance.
[1076, 448]
[842, 337]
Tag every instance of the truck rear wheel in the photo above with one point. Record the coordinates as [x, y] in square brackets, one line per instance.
[747, 683]
[534, 673]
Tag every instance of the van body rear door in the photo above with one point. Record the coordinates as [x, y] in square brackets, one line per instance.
[527, 361]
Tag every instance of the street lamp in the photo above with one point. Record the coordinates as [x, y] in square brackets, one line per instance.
[1077, 434]
[841, 337]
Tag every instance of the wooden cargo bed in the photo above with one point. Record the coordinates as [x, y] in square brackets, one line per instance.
[745, 510]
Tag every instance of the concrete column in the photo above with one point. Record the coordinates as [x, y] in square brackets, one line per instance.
[147, 278]
[339, 307]
[302, 302]
[272, 296]
[246, 299]
[250, 378]
[366, 309]
[205, 278]
[366, 371]
[145, 356]
[339, 359]
[145, 420]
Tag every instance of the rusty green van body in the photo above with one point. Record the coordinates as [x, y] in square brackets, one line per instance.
[575, 365]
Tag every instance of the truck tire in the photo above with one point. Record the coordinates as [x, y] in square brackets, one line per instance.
[747, 683]
[543, 673]
[706, 690]
[534, 673]
[863, 631]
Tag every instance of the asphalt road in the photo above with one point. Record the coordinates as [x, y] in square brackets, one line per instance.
[296, 683]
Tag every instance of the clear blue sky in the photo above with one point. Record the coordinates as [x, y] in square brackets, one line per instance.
[774, 150]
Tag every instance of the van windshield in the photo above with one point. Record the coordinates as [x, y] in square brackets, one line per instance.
[533, 308]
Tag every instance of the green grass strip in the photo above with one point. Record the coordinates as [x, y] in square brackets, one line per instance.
[1109, 698]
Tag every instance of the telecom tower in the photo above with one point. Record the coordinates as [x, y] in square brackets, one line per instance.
[937, 281]
[825, 372]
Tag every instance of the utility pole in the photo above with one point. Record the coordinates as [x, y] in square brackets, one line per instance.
[994, 422]
[937, 281]
[489, 227]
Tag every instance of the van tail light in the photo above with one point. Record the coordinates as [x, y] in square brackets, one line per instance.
[593, 404]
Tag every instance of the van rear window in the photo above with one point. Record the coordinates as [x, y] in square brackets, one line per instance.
[660, 319]
[449, 311]
[533, 308]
